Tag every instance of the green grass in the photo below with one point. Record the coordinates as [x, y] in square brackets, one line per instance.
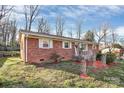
[14, 73]
[119, 60]
[113, 75]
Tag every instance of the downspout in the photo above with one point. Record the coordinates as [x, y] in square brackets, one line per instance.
[87, 47]
[26, 42]
[76, 52]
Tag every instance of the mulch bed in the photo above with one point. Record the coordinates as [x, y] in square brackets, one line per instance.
[78, 62]
[113, 64]
[84, 76]
[88, 63]
[55, 62]
[98, 66]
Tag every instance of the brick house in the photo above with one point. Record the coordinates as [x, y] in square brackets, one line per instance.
[36, 47]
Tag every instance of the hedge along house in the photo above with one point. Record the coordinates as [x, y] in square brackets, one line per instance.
[37, 47]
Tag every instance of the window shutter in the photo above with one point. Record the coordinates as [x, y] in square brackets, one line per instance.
[51, 44]
[40, 43]
[70, 44]
[62, 44]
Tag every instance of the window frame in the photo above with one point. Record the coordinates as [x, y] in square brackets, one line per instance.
[50, 43]
[70, 44]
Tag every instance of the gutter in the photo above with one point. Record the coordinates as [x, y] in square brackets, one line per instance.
[36, 35]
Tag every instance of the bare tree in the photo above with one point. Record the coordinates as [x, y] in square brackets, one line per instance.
[8, 30]
[114, 36]
[70, 33]
[30, 12]
[13, 29]
[43, 26]
[5, 33]
[7, 27]
[79, 29]
[59, 25]
[99, 36]
[26, 17]
[102, 34]
[5, 30]
[105, 27]
[4, 10]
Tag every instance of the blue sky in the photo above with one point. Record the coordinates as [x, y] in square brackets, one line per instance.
[92, 16]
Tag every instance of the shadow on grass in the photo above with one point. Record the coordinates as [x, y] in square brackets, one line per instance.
[8, 83]
[66, 66]
[112, 75]
[2, 61]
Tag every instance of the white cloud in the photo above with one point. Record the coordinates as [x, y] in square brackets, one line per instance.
[114, 8]
[74, 12]
[120, 34]
[53, 14]
[19, 9]
[120, 31]
[18, 13]
[86, 13]
[77, 11]
[101, 11]
[17, 16]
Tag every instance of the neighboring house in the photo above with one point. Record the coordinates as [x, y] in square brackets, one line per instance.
[36, 47]
[102, 45]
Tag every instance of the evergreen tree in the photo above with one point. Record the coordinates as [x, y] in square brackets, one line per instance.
[89, 36]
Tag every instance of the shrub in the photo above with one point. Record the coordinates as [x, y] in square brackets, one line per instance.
[55, 57]
[9, 53]
[77, 58]
[117, 46]
[68, 83]
[36, 83]
[110, 57]
[98, 56]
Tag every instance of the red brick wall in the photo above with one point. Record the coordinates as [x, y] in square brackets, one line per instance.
[35, 53]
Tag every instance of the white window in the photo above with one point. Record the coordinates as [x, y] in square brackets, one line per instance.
[66, 44]
[45, 43]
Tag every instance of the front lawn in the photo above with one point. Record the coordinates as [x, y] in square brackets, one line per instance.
[14, 73]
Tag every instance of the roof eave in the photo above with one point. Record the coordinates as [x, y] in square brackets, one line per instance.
[48, 36]
[28, 34]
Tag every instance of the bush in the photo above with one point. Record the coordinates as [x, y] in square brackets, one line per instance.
[68, 83]
[110, 57]
[55, 57]
[36, 84]
[98, 56]
[12, 46]
[117, 46]
[77, 58]
[9, 53]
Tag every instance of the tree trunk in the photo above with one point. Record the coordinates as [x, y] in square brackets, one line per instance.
[84, 67]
